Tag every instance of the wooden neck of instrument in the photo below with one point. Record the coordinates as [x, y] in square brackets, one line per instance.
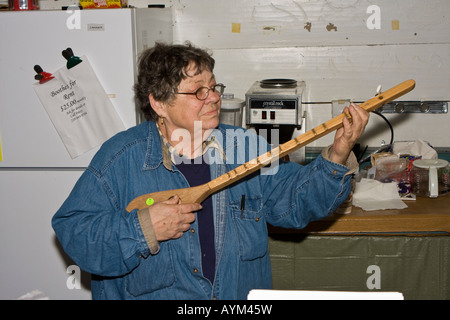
[306, 138]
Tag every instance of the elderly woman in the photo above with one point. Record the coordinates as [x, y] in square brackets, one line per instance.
[174, 250]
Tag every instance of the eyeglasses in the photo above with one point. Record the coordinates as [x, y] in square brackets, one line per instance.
[203, 92]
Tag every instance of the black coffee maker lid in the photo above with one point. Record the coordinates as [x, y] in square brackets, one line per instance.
[278, 83]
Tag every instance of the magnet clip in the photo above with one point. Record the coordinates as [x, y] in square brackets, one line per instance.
[42, 76]
[72, 60]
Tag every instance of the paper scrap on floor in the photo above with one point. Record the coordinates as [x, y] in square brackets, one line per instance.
[374, 195]
[261, 294]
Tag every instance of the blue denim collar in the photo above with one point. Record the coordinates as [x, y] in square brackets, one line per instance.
[153, 157]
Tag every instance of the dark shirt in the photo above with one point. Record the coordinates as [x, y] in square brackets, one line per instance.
[198, 174]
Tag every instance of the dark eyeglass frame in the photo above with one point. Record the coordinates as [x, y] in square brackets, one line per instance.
[221, 87]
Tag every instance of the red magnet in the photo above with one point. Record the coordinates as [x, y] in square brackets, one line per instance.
[42, 76]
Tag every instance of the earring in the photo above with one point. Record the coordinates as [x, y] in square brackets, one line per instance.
[161, 121]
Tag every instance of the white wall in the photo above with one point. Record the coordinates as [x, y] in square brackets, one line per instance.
[346, 63]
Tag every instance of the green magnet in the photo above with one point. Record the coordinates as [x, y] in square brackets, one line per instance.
[150, 201]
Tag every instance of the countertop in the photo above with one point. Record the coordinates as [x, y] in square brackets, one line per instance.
[423, 217]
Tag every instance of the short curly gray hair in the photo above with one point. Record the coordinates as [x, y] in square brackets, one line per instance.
[161, 70]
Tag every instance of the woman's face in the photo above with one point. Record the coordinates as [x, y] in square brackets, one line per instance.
[185, 110]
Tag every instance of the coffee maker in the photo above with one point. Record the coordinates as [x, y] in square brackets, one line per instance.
[274, 109]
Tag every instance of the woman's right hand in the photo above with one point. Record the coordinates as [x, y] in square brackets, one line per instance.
[171, 218]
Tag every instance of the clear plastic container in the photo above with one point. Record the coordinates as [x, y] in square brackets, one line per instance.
[422, 181]
[231, 110]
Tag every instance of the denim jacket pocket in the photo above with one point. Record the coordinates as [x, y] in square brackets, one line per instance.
[251, 229]
[154, 273]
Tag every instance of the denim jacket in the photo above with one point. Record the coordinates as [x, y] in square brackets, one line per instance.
[105, 240]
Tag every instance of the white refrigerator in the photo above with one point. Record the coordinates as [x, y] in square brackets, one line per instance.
[36, 171]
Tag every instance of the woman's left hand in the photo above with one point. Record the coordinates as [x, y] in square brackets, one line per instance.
[346, 136]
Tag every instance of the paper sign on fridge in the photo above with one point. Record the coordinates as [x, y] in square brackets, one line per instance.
[79, 108]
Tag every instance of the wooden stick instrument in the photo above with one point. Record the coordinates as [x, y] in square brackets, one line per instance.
[199, 193]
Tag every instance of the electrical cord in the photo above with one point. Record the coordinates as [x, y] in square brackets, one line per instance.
[383, 148]
[388, 123]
